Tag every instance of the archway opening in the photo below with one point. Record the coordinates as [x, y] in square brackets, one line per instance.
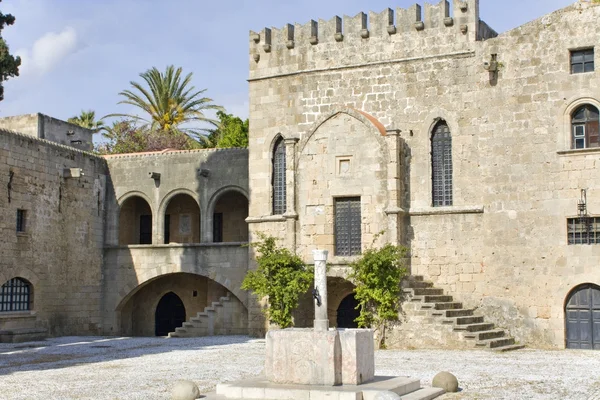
[169, 315]
[182, 220]
[135, 222]
[347, 312]
[229, 218]
[582, 318]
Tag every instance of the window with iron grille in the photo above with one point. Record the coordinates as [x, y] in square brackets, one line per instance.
[15, 295]
[441, 165]
[582, 61]
[21, 220]
[278, 179]
[584, 121]
[347, 226]
[583, 230]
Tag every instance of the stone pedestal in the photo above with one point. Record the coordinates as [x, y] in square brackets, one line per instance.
[308, 357]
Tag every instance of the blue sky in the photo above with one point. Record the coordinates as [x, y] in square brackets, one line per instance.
[79, 54]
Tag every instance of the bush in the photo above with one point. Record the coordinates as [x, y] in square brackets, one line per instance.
[378, 276]
[281, 277]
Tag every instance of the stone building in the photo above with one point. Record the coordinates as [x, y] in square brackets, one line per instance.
[469, 147]
[474, 149]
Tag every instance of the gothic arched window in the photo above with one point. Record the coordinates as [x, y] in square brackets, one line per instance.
[278, 179]
[584, 121]
[441, 165]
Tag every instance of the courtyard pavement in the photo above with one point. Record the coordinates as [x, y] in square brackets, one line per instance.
[146, 368]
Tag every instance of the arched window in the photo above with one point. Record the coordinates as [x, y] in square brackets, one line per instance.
[278, 179]
[584, 121]
[15, 295]
[441, 165]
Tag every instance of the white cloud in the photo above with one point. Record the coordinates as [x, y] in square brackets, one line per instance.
[48, 51]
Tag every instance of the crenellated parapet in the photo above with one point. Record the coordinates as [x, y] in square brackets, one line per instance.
[412, 32]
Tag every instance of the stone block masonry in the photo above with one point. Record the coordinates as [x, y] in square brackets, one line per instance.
[502, 245]
[59, 248]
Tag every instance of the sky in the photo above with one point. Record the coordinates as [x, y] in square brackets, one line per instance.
[79, 54]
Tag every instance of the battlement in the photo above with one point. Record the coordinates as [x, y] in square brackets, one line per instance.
[408, 30]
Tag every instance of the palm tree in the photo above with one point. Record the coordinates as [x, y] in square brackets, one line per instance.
[169, 101]
[87, 119]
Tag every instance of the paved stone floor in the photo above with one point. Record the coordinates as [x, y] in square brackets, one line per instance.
[145, 368]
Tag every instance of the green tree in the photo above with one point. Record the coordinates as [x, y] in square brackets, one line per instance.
[9, 65]
[281, 277]
[232, 131]
[125, 137]
[378, 275]
[87, 119]
[169, 102]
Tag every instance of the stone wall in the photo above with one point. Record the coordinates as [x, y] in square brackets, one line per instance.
[52, 129]
[60, 250]
[502, 245]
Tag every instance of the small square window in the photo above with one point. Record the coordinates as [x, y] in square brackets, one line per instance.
[582, 61]
[21, 217]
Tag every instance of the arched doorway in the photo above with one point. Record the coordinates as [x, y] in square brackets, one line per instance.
[229, 218]
[135, 222]
[170, 314]
[182, 220]
[347, 312]
[582, 314]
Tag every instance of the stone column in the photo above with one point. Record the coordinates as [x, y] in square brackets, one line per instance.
[290, 179]
[321, 323]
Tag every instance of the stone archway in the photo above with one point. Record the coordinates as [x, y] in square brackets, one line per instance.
[582, 317]
[139, 312]
[169, 314]
[135, 221]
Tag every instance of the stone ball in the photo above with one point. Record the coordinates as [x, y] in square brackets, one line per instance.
[386, 396]
[445, 380]
[185, 390]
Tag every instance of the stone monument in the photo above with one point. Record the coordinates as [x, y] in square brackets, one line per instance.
[321, 363]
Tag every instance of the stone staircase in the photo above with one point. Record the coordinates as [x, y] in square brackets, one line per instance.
[442, 309]
[224, 317]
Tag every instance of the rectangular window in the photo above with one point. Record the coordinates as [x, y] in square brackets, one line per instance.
[145, 229]
[583, 230]
[167, 232]
[347, 226]
[21, 219]
[217, 227]
[579, 136]
[582, 61]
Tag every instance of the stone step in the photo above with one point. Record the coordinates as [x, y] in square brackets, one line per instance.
[418, 278]
[474, 327]
[509, 348]
[216, 304]
[484, 335]
[418, 284]
[424, 394]
[448, 306]
[427, 291]
[437, 299]
[452, 313]
[464, 320]
[493, 343]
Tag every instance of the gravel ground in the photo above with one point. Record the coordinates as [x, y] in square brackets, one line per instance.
[146, 368]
